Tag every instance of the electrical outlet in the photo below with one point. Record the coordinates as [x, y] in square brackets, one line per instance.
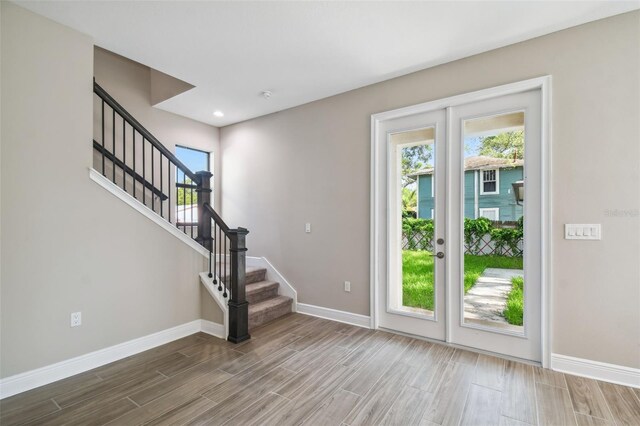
[347, 286]
[307, 228]
[76, 319]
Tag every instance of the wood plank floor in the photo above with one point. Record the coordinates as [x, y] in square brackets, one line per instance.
[305, 370]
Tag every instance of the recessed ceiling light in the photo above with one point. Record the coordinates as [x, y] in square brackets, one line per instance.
[218, 113]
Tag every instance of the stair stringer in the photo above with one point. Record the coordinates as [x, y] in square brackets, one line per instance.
[285, 288]
[212, 289]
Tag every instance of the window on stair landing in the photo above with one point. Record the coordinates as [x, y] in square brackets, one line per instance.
[186, 197]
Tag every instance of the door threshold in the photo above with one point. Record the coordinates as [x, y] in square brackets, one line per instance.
[466, 348]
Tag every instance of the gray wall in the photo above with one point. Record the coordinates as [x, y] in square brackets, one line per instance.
[311, 164]
[68, 245]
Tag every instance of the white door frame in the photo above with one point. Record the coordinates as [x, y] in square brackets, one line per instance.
[379, 177]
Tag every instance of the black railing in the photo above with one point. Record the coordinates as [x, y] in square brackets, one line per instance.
[227, 260]
[148, 171]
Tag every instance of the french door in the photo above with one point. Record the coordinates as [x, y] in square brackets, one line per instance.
[461, 241]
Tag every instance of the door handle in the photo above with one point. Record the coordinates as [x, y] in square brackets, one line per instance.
[439, 255]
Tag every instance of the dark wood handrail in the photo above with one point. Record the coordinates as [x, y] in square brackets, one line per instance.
[128, 170]
[217, 219]
[98, 90]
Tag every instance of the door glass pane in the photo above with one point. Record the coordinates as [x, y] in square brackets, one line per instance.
[493, 234]
[417, 153]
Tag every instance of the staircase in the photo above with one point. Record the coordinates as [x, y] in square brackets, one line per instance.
[265, 304]
[133, 159]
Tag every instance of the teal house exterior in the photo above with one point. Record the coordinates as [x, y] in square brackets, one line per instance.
[488, 190]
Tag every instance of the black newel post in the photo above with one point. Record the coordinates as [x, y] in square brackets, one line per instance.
[238, 305]
[204, 217]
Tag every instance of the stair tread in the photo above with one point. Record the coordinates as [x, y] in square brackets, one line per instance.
[261, 286]
[248, 269]
[269, 303]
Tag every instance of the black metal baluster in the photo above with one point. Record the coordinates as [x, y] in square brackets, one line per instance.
[161, 186]
[191, 207]
[213, 246]
[184, 201]
[124, 156]
[144, 175]
[133, 137]
[220, 277]
[177, 196]
[210, 274]
[104, 173]
[226, 279]
[113, 144]
[169, 188]
[153, 183]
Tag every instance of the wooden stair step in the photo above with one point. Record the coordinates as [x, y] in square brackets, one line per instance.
[261, 290]
[268, 310]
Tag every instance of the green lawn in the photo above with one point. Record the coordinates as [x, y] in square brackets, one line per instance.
[417, 274]
[515, 302]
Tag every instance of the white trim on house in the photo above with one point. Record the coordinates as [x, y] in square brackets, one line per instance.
[335, 315]
[376, 252]
[418, 197]
[475, 195]
[483, 210]
[612, 373]
[433, 179]
[60, 370]
[497, 191]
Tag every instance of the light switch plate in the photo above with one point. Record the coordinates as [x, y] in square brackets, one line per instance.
[582, 231]
[307, 228]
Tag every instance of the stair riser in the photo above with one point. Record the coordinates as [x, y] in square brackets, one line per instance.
[259, 318]
[257, 276]
[262, 295]
[251, 277]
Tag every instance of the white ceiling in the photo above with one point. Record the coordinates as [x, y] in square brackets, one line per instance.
[304, 51]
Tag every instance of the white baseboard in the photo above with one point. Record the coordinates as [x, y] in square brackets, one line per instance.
[61, 370]
[213, 328]
[612, 373]
[335, 315]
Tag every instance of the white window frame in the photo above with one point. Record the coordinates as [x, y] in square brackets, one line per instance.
[497, 191]
[432, 214]
[481, 211]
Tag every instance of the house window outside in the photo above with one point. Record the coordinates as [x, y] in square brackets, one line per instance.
[491, 214]
[489, 182]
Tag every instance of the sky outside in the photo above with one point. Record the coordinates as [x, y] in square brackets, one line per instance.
[193, 159]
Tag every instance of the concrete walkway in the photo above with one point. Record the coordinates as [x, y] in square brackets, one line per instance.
[486, 300]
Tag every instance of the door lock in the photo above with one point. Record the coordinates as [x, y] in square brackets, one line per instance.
[440, 241]
[439, 255]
